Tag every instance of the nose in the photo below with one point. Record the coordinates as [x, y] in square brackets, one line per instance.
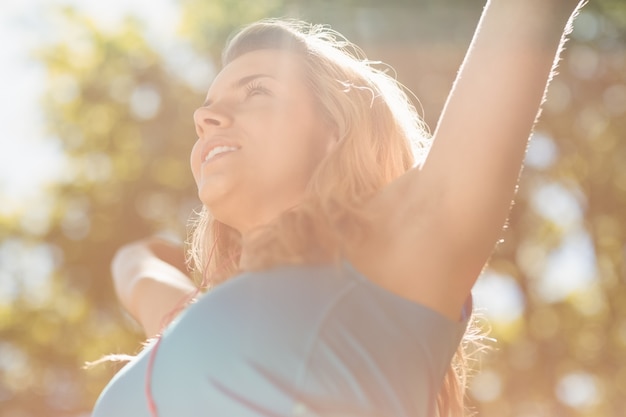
[207, 118]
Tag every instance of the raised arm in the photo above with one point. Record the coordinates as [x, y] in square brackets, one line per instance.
[454, 208]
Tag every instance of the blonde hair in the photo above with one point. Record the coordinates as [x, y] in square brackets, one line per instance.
[381, 138]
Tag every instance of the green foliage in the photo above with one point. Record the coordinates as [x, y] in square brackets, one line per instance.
[209, 24]
[125, 121]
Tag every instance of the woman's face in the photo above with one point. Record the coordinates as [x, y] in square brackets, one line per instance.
[260, 137]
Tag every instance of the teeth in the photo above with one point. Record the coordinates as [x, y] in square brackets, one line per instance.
[218, 150]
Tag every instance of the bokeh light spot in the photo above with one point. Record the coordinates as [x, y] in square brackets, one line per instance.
[542, 152]
[145, 101]
[570, 267]
[486, 386]
[586, 27]
[500, 297]
[558, 204]
[577, 390]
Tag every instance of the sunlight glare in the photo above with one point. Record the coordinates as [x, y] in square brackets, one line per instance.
[499, 296]
[571, 267]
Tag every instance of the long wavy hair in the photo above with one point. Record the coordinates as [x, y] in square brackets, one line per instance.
[381, 136]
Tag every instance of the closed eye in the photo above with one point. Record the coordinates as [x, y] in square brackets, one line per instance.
[256, 88]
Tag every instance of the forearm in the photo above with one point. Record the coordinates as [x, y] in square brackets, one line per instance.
[154, 303]
[506, 69]
[150, 283]
[482, 134]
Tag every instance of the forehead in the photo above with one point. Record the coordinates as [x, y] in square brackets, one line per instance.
[284, 66]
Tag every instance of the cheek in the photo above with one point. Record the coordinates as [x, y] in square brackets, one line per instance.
[194, 161]
[295, 153]
[286, 139]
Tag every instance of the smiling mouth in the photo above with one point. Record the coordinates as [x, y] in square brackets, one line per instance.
[218, 151]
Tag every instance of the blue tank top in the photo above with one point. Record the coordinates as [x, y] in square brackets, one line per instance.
[293, 341]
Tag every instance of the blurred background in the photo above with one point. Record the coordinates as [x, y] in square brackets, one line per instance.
[96, 110]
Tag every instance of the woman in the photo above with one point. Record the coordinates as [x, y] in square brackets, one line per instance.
[340, 266]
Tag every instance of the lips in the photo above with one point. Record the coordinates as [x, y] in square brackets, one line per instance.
[215, 148]
[218, 150]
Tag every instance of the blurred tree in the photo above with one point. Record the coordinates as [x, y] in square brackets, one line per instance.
[124, 115]
[125, 123]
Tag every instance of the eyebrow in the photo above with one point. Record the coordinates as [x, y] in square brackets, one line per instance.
[242, 82]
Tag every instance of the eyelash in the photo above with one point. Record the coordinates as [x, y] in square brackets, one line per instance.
[255, 87]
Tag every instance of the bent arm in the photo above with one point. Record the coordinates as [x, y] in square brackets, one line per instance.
[461, 196]
[150, 284]
[156, 302]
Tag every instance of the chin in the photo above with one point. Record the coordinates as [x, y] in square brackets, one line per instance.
[212, 201]
[213, 192]
[220, 207]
